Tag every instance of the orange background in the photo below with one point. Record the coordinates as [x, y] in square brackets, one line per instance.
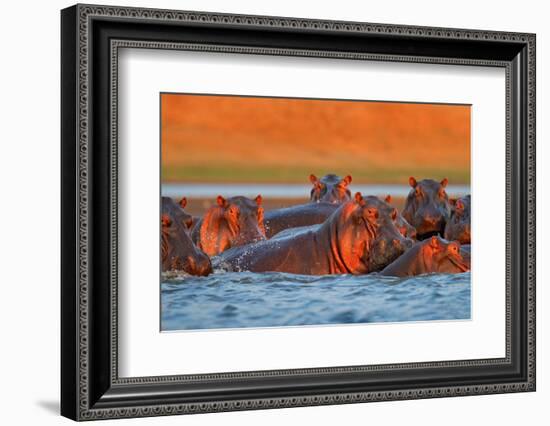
[250, 139]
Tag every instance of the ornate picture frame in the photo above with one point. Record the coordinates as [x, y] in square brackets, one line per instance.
[91, 37]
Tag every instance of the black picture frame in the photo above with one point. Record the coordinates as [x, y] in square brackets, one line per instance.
[90, 386]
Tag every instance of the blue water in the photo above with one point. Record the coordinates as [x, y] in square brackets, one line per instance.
[246, 299]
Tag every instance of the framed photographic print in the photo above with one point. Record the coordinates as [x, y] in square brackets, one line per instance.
[263, 212]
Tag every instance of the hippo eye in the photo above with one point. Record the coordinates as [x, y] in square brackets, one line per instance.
[418, 191]
[442, 193]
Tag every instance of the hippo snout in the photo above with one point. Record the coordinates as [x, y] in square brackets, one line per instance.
[204, 268]
[432, 221]
[200, 265]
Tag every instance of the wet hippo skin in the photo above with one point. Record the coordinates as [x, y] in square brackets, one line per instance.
[356, 239]
[296, 216]
[178, 253]
[434, 255]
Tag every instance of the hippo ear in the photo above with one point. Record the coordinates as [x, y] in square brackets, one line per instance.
[434, 242]
[459, 205]
[358, 197]
[258, 200]
[313, 179]
[444, 182]
[183, 202]
[346, 181]
[222, 202]
[412, 182]
[388, 199]
[165, 220]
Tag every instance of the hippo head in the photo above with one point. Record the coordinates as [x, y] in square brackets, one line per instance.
[402, 225]
[390, 241]
[458, 226]
[427, 207]
[330, 189]
[231, 222]
[364, 235]
[178, 253]
[432, 255]
[176, 213]
[439, 255]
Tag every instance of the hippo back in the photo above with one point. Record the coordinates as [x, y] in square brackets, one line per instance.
[297, 216]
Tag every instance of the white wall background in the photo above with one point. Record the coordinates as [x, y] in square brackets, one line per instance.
[29, 211]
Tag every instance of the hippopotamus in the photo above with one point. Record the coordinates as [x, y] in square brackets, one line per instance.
[458, 226]
[297, 216]
[178, 253]
[357, 238]
[429, 256]
[176, 213]
[330, 189]
[232, 222]
[427, 207]
[406, 229]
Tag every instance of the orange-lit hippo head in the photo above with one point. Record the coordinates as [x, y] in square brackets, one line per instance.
[458, 226]
[232, 222]
[178, 253]
[330, 189]
[433, 255]
[427, 207]
[364, 235]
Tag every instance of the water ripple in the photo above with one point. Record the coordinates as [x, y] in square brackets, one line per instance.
[246, 299]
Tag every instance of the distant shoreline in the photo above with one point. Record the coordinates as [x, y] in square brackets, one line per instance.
[277, 190]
